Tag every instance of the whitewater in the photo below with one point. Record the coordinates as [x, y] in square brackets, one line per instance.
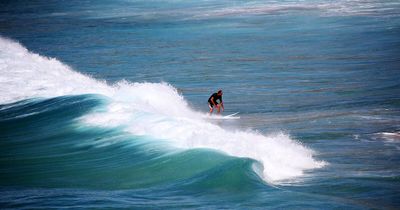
[154, 110]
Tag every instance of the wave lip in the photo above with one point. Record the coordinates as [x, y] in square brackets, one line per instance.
[155, 110]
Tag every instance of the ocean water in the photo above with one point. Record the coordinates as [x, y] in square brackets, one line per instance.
[103, 104]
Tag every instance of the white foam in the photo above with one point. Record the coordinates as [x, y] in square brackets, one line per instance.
[391, 137]
[27, 75]
[156, 110]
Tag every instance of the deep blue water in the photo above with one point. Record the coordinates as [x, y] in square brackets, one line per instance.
[118, 119]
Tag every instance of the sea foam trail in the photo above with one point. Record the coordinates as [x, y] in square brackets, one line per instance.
[154, 110]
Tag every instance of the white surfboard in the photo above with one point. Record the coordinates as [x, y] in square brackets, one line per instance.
[226, 117]
[232, 116]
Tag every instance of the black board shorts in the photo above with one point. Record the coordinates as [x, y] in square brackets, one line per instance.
[211, 105]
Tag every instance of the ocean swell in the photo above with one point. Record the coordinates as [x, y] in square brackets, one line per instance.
[153, 110]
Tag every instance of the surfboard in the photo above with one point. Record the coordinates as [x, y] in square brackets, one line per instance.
[231, 115]
[226, 117]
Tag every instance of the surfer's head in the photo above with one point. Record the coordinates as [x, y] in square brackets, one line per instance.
[220, 92]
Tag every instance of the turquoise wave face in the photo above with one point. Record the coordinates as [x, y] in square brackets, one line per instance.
[45, 145]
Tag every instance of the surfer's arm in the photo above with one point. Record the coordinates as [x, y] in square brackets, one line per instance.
[213, 102]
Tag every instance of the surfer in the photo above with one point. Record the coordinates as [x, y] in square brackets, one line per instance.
[216, 100]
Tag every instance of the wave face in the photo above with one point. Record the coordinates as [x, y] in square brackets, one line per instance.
[64, 128]
[43, 145]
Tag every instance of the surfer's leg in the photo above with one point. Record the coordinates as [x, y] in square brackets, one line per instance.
[219, 108]
[211, 109]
